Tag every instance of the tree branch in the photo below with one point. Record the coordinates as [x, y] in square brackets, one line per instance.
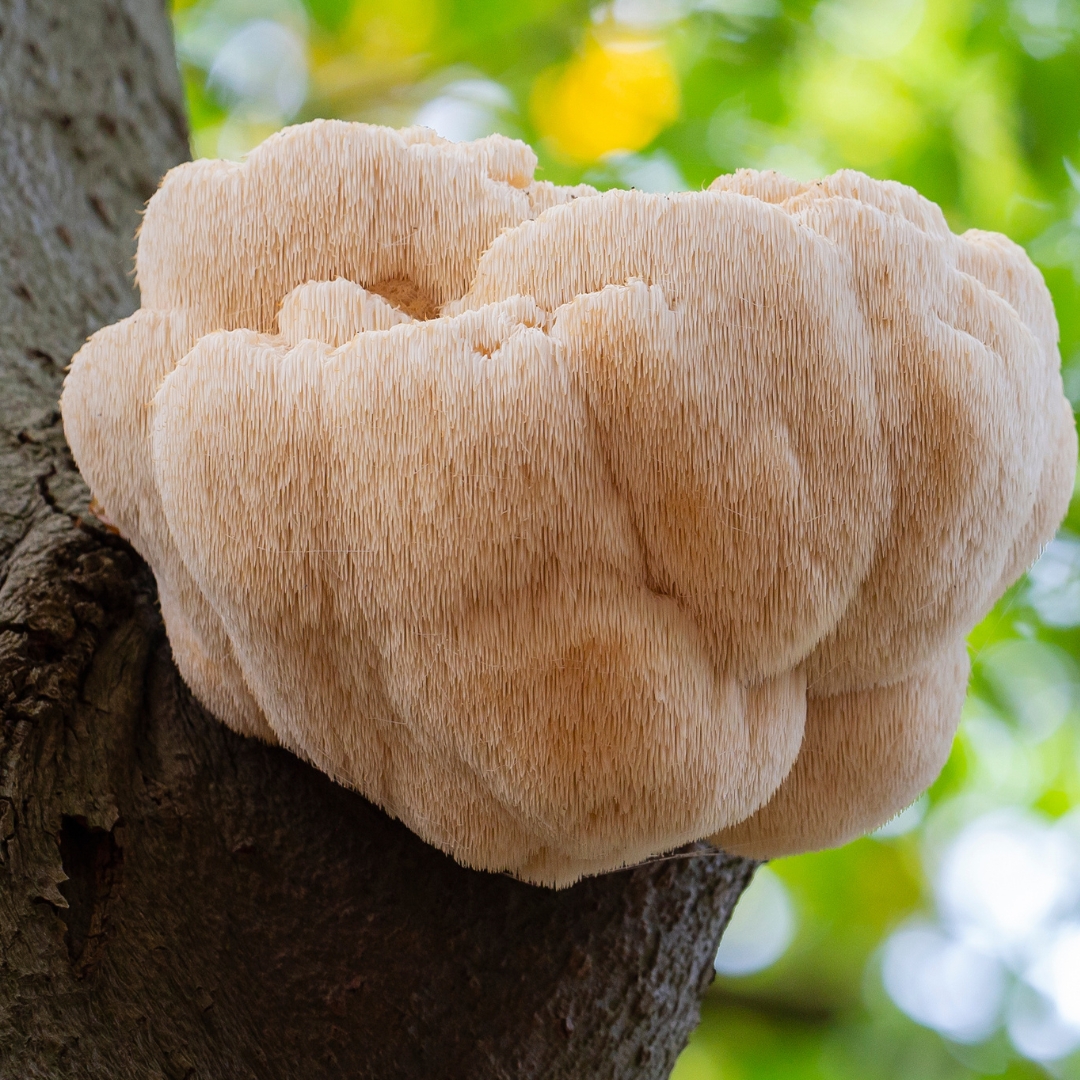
[176, 901]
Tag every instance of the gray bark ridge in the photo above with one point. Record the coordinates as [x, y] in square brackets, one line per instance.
[176, 901]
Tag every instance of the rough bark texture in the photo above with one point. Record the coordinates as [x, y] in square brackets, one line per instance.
[176, 901]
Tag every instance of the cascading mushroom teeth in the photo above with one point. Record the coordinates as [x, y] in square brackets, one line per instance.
[568, 527]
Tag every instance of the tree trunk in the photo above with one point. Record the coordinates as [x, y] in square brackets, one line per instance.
[176, 901]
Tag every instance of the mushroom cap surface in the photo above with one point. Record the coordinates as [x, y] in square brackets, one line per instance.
[572, 527]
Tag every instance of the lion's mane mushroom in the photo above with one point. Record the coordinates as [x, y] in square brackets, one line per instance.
[572, 527]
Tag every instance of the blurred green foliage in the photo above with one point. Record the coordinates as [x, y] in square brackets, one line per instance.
[974, 102]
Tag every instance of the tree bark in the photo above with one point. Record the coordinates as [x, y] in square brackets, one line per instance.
[176, 901]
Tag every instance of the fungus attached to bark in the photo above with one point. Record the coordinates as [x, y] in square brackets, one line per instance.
[571, 527]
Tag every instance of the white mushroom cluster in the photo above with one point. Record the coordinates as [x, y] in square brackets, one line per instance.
[572, 527]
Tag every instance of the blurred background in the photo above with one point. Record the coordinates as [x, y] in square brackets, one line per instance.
[946, 945]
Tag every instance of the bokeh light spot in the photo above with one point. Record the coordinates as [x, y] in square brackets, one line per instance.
[761, 929]
[618, 94]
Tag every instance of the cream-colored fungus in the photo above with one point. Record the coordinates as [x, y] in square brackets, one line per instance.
[569, 527]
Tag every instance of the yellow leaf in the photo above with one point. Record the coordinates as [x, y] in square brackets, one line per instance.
[617, 94]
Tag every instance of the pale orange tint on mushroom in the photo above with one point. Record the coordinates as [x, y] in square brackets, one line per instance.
[567, 527]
